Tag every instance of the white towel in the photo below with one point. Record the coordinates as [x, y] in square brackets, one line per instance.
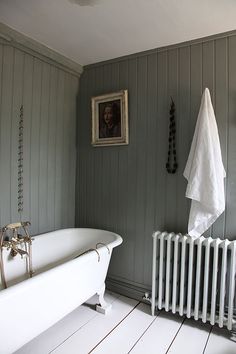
[205, 171]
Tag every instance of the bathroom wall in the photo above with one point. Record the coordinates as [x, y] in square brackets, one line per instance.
[126, 189]
[48, 94]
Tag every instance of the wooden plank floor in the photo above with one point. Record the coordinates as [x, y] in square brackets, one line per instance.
[129, 328]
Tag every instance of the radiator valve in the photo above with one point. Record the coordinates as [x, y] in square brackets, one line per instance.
[147, 297]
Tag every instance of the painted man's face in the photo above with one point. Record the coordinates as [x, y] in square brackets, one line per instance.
[108, 115]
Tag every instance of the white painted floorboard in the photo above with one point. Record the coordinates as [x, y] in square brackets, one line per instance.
[84, 340]
[191, 338]
[55, 335]
[129, 328]
[221, 341]
[157, 338]
[123, 338]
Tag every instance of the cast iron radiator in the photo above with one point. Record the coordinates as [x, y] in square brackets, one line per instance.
[195, 278]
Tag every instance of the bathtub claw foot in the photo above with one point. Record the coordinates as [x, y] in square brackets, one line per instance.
[105, 309]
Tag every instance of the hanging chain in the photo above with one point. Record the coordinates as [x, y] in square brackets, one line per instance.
[20, 161]
[171, 164]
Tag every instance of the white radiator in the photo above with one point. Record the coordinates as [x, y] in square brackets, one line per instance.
[195, 278]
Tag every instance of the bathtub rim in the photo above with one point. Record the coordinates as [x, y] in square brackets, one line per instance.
[116, 242]
[25, 283]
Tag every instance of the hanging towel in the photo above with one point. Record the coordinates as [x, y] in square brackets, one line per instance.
[205, 171]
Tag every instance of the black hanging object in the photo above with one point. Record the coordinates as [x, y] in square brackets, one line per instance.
[171, 165]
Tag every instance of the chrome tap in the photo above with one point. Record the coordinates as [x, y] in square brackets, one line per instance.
[17, 244]
[17, 240]
[13, 246]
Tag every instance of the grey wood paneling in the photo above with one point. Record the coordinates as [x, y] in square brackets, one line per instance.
[52, 147]
[59, 150]
[183, 129]
[27, 103]
[126, 188]
[162, 126]
[221, 111]
[43, 148]
[72, 151]
[17, 89]
[6, 111]
[49, 97]
[140, 193]
[231, 164]
[34, 146]
[151, 153]
[171, 188]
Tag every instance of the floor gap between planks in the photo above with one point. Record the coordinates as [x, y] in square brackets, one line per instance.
[129, 328]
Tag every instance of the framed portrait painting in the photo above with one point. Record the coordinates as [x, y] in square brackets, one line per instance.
[110, 119]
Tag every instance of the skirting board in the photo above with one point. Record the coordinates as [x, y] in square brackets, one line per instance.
[130, 290]
[126, 289]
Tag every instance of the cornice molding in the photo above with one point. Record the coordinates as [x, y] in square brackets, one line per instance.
[9, 36]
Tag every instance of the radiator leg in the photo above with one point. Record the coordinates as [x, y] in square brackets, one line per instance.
[103, 307]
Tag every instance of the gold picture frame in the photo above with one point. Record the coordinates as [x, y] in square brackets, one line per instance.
[110, 119]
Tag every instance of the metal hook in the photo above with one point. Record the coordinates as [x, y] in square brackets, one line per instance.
[103, 244]
[91, 249]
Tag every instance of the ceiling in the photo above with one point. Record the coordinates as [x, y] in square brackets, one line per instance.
[89, 31]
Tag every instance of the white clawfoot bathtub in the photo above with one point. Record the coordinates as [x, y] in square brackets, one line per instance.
[62, 281]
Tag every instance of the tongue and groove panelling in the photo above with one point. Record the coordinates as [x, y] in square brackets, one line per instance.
[49, 97]
[126, 188]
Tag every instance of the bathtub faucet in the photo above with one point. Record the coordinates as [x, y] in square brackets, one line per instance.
[17, 244]
[13, 246]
